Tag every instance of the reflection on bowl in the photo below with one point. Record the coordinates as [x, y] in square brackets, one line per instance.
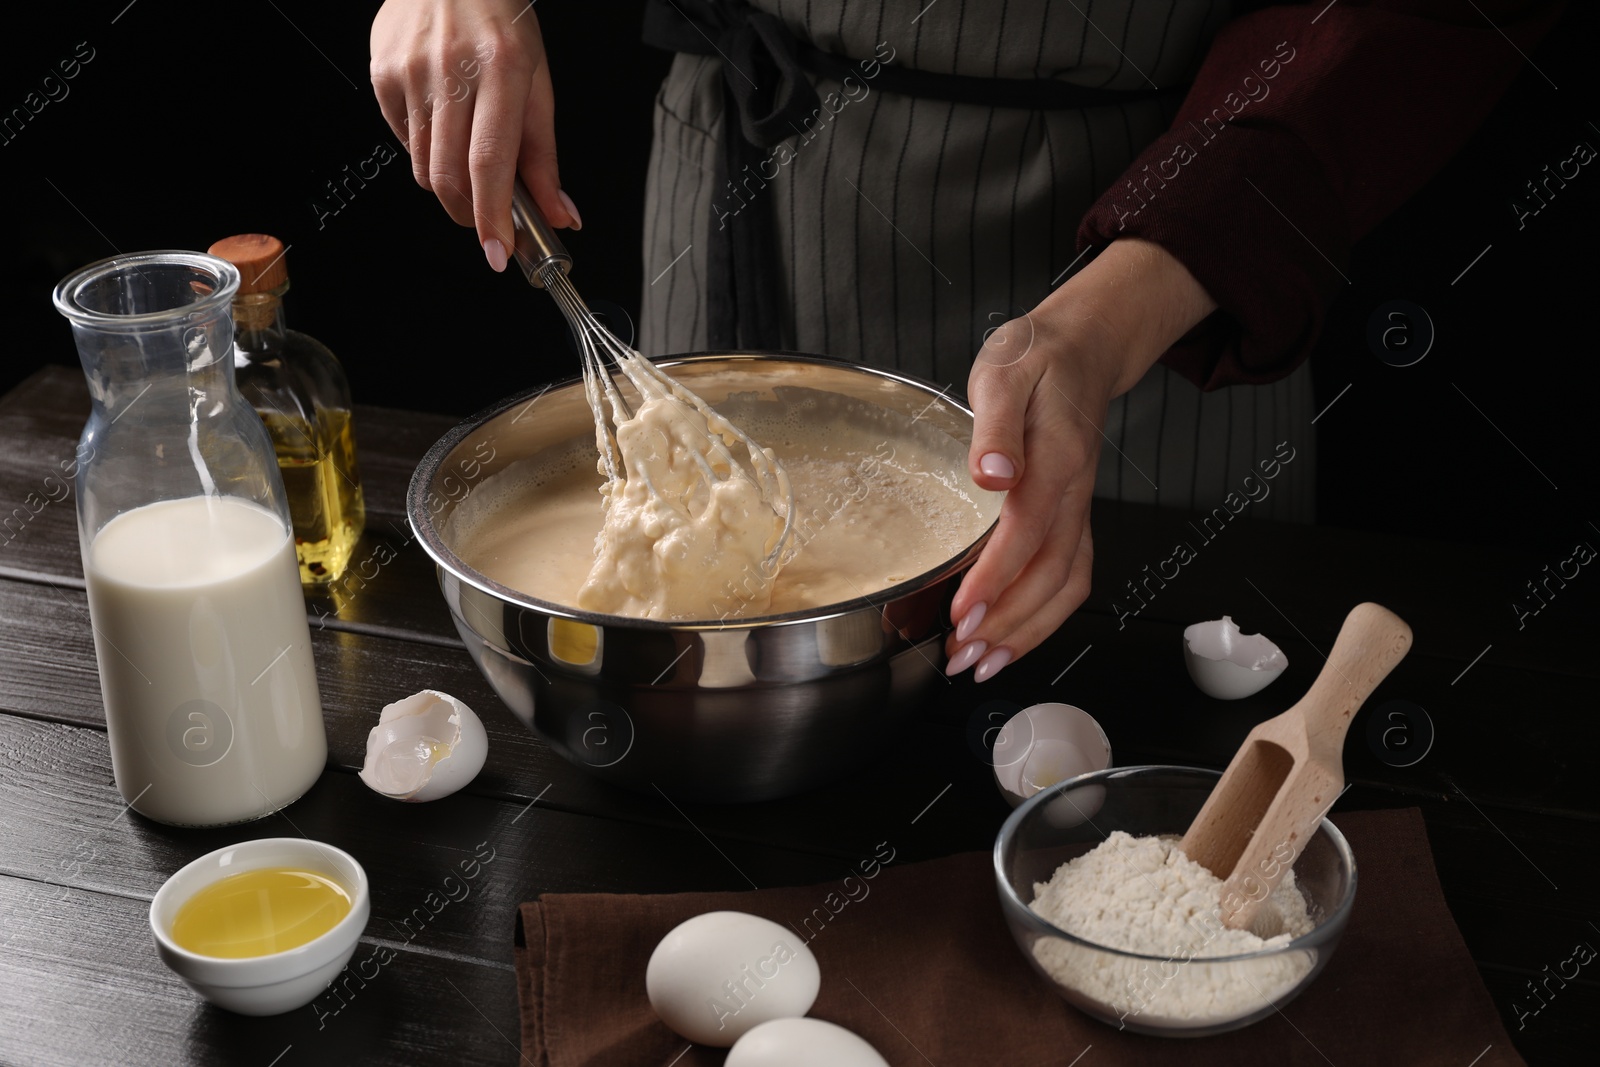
[1175, 995]
[749, 709]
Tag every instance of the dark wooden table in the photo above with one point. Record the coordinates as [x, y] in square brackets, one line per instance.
[1507, 788]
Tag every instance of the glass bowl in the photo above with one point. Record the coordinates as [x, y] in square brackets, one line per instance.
[1184, 994]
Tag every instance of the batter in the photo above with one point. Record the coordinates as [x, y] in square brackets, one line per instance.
[679, 524]
[872, 509]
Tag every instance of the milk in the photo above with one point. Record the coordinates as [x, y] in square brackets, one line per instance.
[205, 661]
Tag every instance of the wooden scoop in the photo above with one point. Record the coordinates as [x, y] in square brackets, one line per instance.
[1289, 770]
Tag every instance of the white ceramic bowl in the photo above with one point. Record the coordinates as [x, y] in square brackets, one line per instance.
[1227, 663]
[1045, 744]
[282, 981]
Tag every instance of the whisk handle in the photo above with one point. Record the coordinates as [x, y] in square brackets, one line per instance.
[537, 246]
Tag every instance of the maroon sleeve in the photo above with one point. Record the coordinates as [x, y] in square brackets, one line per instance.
[1301, 132]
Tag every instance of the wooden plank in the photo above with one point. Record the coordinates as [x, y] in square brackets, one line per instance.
[65, 823]
[57, 786]
[1134, 681]
[1131, 680]
[65, 832]
[1275, 577]
[1281, 578]
[390, 587]
[84, 985]
[40, 422]
[1534, 936]
[56, 680]
[48, 410]
[1525, 863]
[1514, 740]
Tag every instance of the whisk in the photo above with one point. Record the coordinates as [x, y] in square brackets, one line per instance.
[546, 262]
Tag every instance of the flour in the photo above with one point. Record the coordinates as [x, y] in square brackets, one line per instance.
[1141, 894]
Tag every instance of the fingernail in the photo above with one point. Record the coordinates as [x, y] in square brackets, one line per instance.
[991, 664]
[966, 657]
[969, 621]
[572, 209]
[997, 466]
[495, 252]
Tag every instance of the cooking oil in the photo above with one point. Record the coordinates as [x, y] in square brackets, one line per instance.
[303, 396]
[318, 465]
[257, 913]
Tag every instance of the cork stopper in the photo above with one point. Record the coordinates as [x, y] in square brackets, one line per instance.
[259, 258]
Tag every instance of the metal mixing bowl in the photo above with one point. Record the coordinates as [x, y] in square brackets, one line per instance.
[748, 709]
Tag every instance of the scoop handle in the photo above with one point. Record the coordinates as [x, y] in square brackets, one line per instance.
[1372, 641]
[537, 247]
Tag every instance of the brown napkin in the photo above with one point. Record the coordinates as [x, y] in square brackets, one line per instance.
[924, 969]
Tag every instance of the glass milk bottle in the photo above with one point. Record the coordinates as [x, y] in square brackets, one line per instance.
[194, 592]
[301, 393]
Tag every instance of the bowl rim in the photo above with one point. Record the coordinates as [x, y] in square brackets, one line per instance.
[427, 533]
[1012, 903]
[341, 931]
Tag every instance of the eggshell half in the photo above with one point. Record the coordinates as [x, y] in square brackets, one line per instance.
[1045, 744]
[1228, 664]
[424, 747]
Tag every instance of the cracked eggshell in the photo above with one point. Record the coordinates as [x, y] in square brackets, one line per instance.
[1045, 744]
[1228, 664]
[424, 747]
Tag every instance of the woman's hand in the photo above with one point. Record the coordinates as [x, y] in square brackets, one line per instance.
[465, 86]
[1040, 388]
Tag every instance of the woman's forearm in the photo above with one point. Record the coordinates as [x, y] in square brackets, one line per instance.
[1126, 308]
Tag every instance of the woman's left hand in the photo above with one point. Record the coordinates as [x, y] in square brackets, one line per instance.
[1040, 388]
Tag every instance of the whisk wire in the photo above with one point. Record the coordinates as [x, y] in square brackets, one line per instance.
[598, 347]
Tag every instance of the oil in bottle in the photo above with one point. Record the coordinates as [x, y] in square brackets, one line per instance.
[302, 395]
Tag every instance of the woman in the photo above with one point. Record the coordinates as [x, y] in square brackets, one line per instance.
[905, 183]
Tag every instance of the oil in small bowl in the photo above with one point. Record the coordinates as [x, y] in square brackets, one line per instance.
[260, 912]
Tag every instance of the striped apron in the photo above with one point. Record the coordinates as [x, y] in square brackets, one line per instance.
[906, 227]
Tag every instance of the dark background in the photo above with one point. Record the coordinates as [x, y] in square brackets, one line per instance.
[193, 122]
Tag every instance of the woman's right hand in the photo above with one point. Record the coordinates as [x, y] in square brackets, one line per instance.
[1039, 390]
[465, 86]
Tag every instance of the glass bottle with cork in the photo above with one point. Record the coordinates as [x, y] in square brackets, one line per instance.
[301, 393]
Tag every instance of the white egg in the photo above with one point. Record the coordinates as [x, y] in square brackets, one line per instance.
[802, 1043]
[424, 747]
[717, 975]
